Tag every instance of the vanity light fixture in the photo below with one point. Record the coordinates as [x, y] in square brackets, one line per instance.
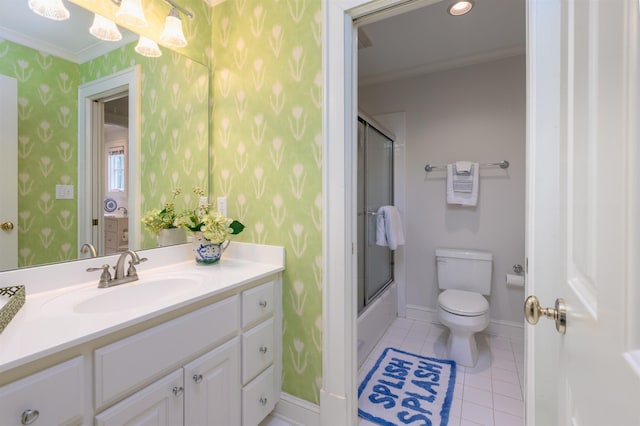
[105, 29]
[172, 35]
[147, 47]
[461, 7]
[51, 9]
[131, 13]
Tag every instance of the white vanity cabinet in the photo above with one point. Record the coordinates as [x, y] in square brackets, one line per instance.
[54, 396]
[236, 382]
[211, 355]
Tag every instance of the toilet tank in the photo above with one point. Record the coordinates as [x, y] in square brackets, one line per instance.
[468, 270]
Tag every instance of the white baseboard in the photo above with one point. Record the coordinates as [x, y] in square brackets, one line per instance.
[423, 314]
[507, 329]
[296, 411]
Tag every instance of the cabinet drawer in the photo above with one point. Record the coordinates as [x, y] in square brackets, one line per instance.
[110, 240]
[123, 366]
[111, 225]
[257, 303]
[257, 350]
[56, 394]
[259, 398]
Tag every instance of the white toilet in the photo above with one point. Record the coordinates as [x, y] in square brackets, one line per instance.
[465, 276]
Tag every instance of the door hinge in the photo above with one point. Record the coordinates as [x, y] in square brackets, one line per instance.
[94, 222]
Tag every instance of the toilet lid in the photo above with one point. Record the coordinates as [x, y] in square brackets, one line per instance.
[462, 302]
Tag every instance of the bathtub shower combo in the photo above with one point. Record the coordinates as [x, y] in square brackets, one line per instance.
[377, 293]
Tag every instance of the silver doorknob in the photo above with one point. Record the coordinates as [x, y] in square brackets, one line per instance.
[6, 226]
[533, 312]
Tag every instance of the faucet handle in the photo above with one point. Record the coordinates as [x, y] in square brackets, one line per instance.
[105, 277]
[131, 271]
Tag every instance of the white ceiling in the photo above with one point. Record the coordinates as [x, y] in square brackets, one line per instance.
[69, 39]
[429, 39]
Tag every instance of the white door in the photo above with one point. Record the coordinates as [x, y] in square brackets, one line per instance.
[9, 172]
[583, 208]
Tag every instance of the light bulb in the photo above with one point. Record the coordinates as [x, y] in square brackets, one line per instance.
[460, 7]
[172, 35]
[131, 13]
[51, 9]
[105, 29]
[147, 47]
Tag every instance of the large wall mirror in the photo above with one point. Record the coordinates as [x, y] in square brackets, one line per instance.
[51, 66]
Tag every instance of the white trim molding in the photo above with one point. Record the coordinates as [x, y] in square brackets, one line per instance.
[129, 79]
[296, 411]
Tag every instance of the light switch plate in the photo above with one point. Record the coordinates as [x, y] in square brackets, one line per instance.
[64, 192]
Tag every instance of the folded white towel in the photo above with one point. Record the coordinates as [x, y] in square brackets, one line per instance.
[463, 189]
[389, 227]
[464, 167]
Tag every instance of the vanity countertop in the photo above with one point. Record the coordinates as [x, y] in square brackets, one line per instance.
[50, 320]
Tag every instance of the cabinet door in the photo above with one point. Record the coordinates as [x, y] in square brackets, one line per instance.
[54, 396]
[159, 404]
[212, 387]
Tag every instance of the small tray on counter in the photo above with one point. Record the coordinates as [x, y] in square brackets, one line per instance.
[11, 300]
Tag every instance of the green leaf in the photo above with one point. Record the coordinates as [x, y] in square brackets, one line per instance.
[237, 227]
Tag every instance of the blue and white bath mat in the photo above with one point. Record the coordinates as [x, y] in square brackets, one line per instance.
[407, 389]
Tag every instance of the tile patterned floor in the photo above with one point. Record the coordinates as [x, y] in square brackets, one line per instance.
[490, 394]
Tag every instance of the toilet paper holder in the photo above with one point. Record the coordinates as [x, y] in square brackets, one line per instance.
[517, 268]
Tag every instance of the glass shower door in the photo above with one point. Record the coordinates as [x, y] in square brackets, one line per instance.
[375, 189]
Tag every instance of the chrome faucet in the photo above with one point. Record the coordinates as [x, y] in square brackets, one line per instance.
[88, 247]
[119, 277]
[131, 271]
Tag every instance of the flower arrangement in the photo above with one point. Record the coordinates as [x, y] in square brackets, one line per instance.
[156, 220]
[203, 218]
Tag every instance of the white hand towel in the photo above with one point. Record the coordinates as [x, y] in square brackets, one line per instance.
[465, 192]
[464, 166]
[389, 227]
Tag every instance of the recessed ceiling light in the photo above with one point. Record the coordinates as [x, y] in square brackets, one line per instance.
[460, 7]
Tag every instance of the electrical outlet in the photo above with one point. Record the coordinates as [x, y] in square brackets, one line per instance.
[222, 205]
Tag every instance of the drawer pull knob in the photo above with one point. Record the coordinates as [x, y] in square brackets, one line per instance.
[263, 400]
[29, 416]
[197, 378]
[263, 349]
[178, 391]
[263, 303]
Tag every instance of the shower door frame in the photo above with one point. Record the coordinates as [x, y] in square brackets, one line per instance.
[370, 122]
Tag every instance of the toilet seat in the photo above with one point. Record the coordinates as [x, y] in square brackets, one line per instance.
[464, 303]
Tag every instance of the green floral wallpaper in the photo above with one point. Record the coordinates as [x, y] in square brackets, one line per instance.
[47, 151]
[175, 123]
[267, 156]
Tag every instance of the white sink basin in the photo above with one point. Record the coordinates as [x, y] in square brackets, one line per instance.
[144, 294]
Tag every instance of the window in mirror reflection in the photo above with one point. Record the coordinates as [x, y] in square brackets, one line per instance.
[115, 169]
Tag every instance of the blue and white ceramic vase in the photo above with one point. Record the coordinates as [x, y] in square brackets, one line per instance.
[205, 251]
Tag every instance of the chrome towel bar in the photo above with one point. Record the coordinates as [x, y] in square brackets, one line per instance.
[504, 164]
